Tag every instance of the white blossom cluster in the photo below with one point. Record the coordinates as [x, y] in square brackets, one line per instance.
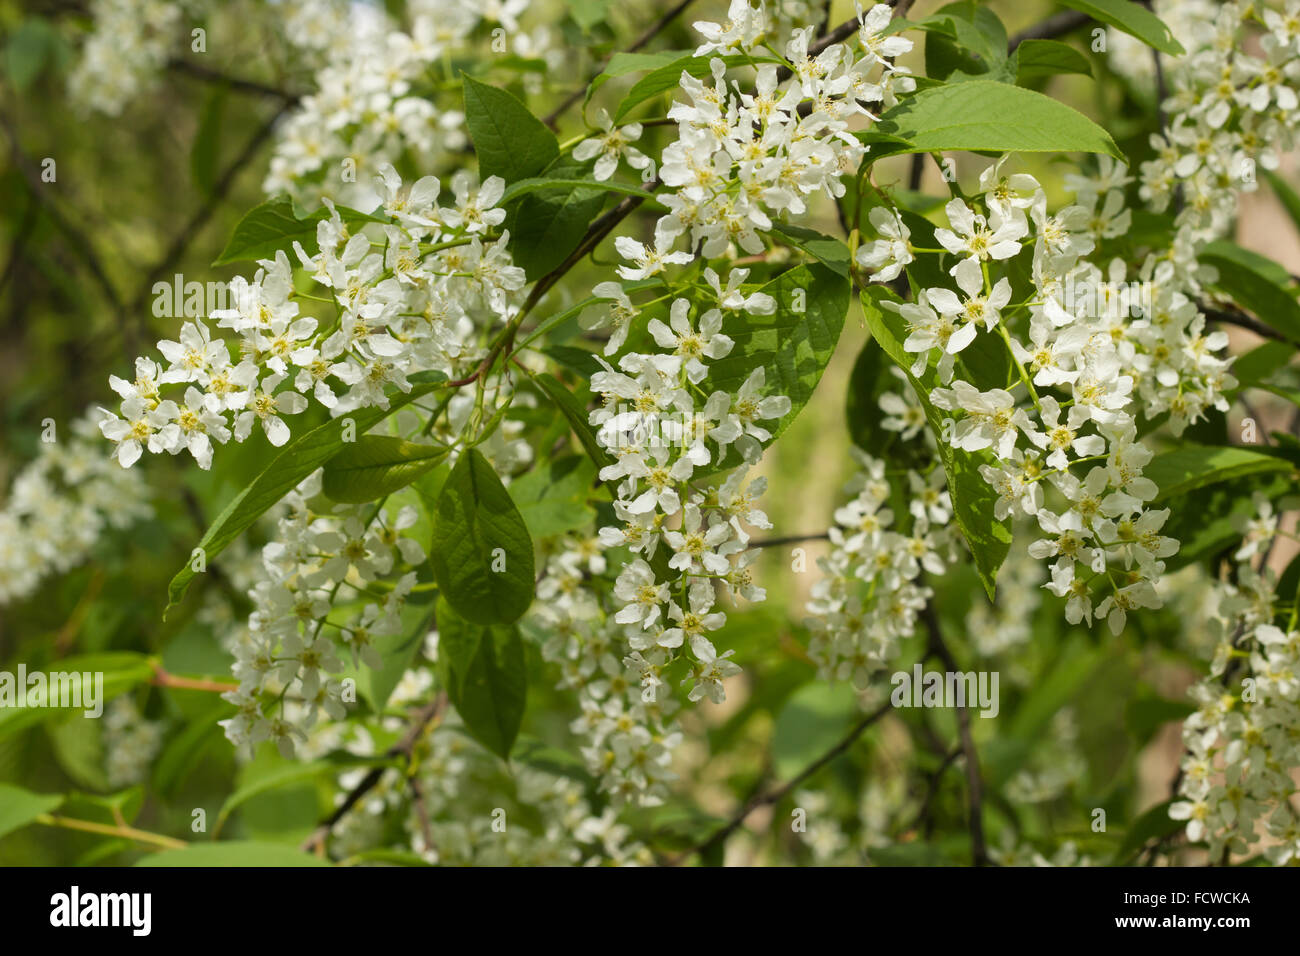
[451, 774]
[412, 302]
[323, 596]
[742, 158]
[872, 591]
[739, 159]
[126, 50]
[129, 742]
[1230, 112]
[660, 426]
[1110, 348]
[370, 102]
[625, 729]
[1238, 779]
[59, 505]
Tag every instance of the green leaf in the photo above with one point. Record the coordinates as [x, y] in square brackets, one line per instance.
[287, 774]
[1210, 519]
[122, 671]
[588, 13]
[1189, 467]
[537, 184]
[1256, 284]
[298, 459]
[547, 225]
[829, 251]
[576, 415]
[983, 115]
[621, 64]
[1152, 825]
[19, 807]
[552, 497]
[1035, 59]
[77, 747]
[28, 50]
[1289, 198]
[1133, 19]
[482, 555]
[1148, 712]
[793, 345]
[485, 675]
[812, 721]
[399, 650]
[206, 150]
[275, 225]
[377, 465]
[233, 853]
[668, 77]
[973, 499]
[510, 141]
[970, 41]
[1252, 369]
[870, 379]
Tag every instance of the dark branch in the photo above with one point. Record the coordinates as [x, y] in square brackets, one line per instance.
[789, 539]
[201, 216]
[1054, 26]
[937, 647]
[552, 117]
[1241, 320]
[209, 75]
[403, 748]
[777, 795]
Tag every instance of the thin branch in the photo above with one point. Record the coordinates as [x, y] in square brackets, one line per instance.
[201, 216]
[932, 790]
[81, 244]
[209, 75]
[789, 539]
[552, 117]
[1241, 320]
[422, 812]
[163, 678]
[403, 748]
[104, 829]
[778, 794]
[937, 647]
[1051, 28]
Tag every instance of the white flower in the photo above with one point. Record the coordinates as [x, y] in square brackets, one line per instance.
[609, 147]
[885, 257]
[732, 299]
[977, 238]
[708, 342]
[992, 419]
[649, 261]
[267, 407]
[741, 31]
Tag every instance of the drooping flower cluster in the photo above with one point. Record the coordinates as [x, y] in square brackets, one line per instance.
[372, 100]
[60, 504]
[412, 302]
[324, 595]
[468, 811]
[1238, 782]
[129, 45]
[625, 729]
[873, 591]
[661, 426]
[1101, 350]
[743, 159]
[129, 742]
[1230, 113]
